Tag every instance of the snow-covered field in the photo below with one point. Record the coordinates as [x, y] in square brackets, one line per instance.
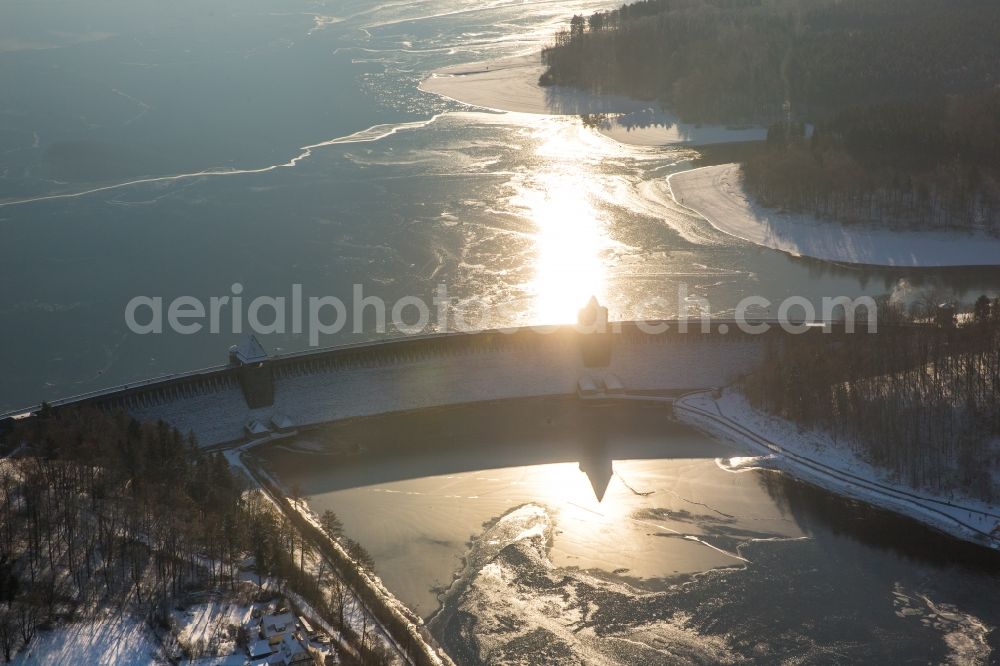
[203, 629]
[814, 457]
[117, 640]
[716, 193]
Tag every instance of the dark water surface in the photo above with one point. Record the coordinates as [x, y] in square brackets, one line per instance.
[680, 559]
[531, 211]
[720, 566]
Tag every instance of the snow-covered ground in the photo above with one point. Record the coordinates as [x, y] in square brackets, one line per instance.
[125, 640]
[815, 457]
[511, 84]
[716, 193]
[116, 640]
[203, 629]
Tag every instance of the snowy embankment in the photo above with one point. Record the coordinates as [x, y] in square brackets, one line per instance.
[511, 84]
[371, 605]
[816, 458]
[716, 193]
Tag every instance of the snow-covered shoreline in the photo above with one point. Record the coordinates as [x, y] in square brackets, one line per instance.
[716, 193]
[815, 458]
[511, 85]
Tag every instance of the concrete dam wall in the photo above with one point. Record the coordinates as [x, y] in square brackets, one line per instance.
[238, 401]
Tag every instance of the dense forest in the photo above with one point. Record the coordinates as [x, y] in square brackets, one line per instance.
[99, 511]
[920, 401]
[108, 510]
[902, 94]
[923, 164]
[755, 60]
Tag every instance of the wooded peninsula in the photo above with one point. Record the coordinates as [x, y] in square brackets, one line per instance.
[884, 112]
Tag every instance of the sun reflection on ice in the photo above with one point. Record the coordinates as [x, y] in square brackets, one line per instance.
[565, 483]
[571, 232]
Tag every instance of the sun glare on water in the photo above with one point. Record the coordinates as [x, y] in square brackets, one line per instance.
[571, 232]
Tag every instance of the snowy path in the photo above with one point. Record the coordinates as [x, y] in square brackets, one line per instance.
[833, 468]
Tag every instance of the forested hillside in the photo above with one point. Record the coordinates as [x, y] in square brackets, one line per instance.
[923, 164]
[919, 401]
[99, 512]
[742, 60]
[903, 95]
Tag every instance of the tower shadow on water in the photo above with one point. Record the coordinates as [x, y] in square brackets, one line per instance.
[595, 459]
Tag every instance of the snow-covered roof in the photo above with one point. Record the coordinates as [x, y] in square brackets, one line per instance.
[593, 313]
[291, 646]
[275, 625]
[270, 660]
[249, 350]
[282, 422]
[259, 648]
[586, 386]
[613, 384]
[256, 428]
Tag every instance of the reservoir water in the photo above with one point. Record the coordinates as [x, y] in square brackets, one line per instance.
[487, 520]
[402, 191]
[152, 148]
